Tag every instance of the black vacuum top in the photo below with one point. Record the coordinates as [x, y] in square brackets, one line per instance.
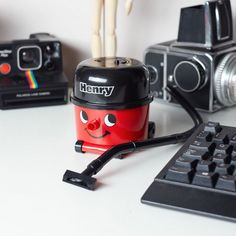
[111, 83]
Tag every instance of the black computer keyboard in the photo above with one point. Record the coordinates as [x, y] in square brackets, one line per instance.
[201, 177]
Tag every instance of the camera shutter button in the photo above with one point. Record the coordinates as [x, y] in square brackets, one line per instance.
[189, 76]
[5, 68]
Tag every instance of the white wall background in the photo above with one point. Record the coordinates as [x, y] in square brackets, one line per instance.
[151, 21]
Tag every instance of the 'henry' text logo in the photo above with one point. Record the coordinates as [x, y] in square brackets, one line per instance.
[103, 90]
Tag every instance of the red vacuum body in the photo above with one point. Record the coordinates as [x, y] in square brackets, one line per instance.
[111, 98]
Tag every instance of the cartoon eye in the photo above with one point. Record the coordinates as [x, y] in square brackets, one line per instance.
[110, 120]
[84, 117]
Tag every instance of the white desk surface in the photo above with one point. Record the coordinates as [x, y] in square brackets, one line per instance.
[37, 146]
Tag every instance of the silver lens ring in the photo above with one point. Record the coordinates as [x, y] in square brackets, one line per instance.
[153, 74]
[32, 47]
[225, 80]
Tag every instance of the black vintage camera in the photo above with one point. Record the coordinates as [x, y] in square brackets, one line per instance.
[201, 63]
[31, 73]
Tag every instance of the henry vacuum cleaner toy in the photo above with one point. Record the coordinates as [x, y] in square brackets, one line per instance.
[111, 98]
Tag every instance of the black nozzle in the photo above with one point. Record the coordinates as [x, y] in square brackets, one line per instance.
[79, 180]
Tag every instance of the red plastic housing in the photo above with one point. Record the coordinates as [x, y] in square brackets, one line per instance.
[101, 129]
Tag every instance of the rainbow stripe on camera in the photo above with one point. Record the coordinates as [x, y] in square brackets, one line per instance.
[31, 79]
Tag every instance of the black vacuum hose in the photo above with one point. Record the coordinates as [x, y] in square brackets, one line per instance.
[84, 179]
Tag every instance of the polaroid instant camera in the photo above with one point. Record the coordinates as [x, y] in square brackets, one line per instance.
[201, 63]
[31, 73]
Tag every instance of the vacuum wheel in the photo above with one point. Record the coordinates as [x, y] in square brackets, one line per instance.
[78, 146]
[151, 129]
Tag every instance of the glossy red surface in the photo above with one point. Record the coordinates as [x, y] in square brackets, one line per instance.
[101, 129]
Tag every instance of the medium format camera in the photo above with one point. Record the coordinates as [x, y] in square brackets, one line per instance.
[31, 73]
[201, 63]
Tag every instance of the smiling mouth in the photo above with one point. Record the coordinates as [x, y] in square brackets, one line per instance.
[98, 137]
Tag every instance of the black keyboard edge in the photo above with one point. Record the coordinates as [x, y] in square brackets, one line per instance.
[181, 198]
[190, 199]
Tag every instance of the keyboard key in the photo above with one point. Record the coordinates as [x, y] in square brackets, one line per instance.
[224, 169]
[179, 174]
[221, 158]
[233, 154]
[234, 173]
[226, 182]
[205, 166]
[187, 163]
[221, 137]
[196, 154]
[203, 145]
[213, 127]
[206, 136]
[205, 179]
[233, 161]
[223, 148]
[233, 139]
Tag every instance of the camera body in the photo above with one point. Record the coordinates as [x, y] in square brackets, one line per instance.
[31, 72]
[201, 63]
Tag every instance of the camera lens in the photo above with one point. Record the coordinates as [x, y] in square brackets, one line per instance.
[29, 58]
[225, 80]
[189, 76]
